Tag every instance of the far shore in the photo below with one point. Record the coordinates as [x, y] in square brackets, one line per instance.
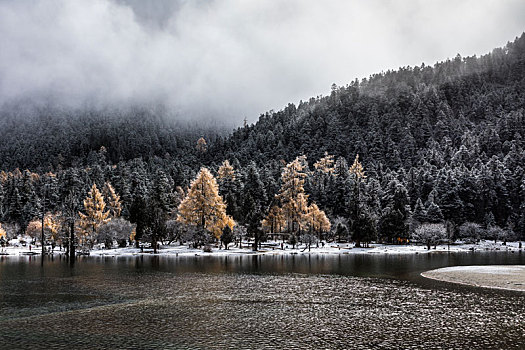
[277, 248]
[507, 277]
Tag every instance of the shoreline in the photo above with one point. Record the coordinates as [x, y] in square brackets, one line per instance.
[501, 277]
[274, 249]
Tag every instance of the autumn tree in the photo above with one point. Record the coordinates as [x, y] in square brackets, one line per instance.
[52, 224]
[3, 234]
[95, 214]
[203, 206]
[293, 199]
[201, 145]
[226, 171]
[325, 164]
[274, 221]
[316, 220]
[294, 211]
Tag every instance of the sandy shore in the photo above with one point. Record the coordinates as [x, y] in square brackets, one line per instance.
[509, 277]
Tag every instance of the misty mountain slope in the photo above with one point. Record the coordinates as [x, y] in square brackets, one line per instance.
[50, 139]
[400, 118]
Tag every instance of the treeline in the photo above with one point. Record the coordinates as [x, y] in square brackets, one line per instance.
[441, 144]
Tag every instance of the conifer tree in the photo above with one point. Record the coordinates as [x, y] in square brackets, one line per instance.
[274, 221]
[254, 202]
[293, 199]
[3, 234]
[317, 220]
[52, 225]
[114, 205]
[325, 164]
[95, 214]
[357, 169]
[203, 206]
[201, 145]
[434, 214]
[226, 171]
[229, 186]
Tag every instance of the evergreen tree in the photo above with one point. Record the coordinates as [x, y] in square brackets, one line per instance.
[434, 214]
[292, 196]
[114, 204]
[254, 204]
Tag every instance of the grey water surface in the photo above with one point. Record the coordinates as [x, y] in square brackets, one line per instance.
[242, 302]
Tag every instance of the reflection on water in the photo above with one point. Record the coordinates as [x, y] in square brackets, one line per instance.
[343, 301]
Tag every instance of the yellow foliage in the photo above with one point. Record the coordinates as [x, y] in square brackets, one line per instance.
[226, 171]
[203, 206]
[294, 201]
[275, 220]
[96, 214]
[52, 224]
[3, 234]
[317, 220]
[325, 164]
[357, 169]
[201, 145]
[34, 229]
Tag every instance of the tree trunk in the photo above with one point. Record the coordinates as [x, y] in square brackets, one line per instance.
[154, 243]
[428, 245]
[42, 241]
[72, 243]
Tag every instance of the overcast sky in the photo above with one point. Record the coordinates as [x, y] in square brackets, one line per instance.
[231, 58]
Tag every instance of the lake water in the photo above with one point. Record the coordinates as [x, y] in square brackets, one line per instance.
[273, 302]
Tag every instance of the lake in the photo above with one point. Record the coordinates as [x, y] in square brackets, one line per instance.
[274, 302]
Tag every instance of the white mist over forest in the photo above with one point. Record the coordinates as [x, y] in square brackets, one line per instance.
[226, 60]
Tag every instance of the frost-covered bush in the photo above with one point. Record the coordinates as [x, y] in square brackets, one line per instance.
[497, 233]
[471, 232]
[11, 230]
[430, 234]
[118, 229]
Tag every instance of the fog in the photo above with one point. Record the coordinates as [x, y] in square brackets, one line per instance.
[229, 59]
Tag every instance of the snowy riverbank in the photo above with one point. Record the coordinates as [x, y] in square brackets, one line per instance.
[508, 277]
[274, 248]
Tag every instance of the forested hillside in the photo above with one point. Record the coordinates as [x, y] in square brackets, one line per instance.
[441, 144]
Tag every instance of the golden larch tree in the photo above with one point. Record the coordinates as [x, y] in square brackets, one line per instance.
[325, 164]
[226, 171]
[52, 225]
[317, 219]
[274, 221]
[201, 145]
[293, 199]
[203, 206]
[3, 234]
[96, 214]
[357, 169]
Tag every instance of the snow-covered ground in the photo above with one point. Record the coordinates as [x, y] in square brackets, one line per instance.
[274, 248]
[509, 277]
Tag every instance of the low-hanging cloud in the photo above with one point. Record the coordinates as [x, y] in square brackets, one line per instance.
[229, 59]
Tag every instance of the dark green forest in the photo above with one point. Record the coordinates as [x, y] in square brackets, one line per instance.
[442, 143]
